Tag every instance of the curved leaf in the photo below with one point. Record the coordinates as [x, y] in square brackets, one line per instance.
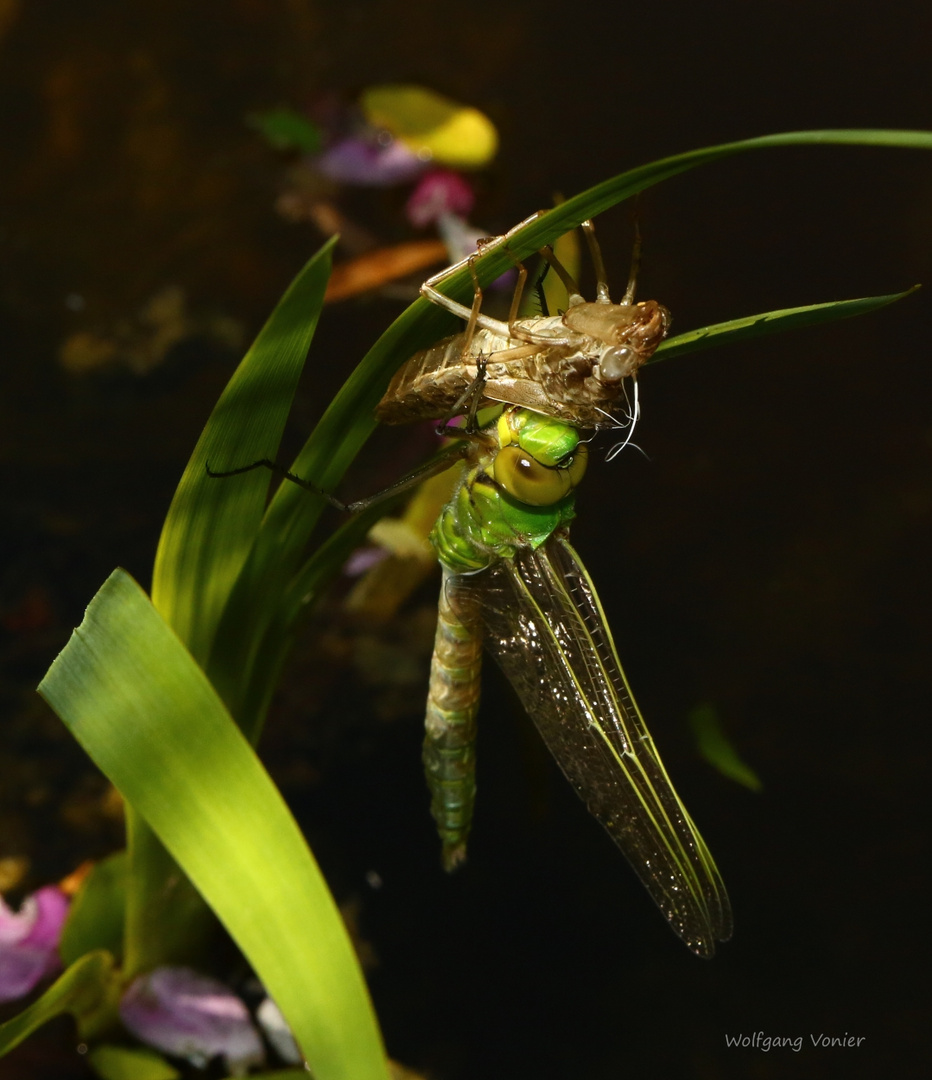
[771, 322]
[81, 990]
[210, 526]
[717, 749]
[144, 711]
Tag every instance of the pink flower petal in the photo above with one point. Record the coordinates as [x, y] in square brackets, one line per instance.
[439, 192]
[192, 1016]
[53, 910]
[29, 941]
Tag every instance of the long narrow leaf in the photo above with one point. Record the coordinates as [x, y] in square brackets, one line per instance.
[771, 322]
[250, 668]
[208, 533]
[81, 991]
[145, 713]
[210, 526]
[596, 200]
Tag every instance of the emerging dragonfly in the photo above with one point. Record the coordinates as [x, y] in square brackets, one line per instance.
[570, 366]
[512, 581]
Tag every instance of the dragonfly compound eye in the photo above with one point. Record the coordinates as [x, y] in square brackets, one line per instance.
[524, 478]
[616, 364]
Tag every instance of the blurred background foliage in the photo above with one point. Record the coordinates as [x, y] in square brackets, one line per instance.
[767, 556]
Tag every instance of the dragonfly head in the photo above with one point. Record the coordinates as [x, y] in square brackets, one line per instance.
[540, 460]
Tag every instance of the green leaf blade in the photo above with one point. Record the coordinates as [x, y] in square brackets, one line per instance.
[772, 322]
[145, 713]
[211, 526]
[80, 991]
[348, 422]
[95, 919]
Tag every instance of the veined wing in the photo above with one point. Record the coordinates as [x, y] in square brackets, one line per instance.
[543, 622]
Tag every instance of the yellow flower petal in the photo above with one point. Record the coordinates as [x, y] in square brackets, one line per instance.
[432, 125]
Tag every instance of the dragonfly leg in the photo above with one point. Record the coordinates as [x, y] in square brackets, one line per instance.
[572, 289]
[628, 298]
[279, 470]
[486, 245]
[518, 293]
[441, 461]
[595, 252]
[466, 404]
[448, 304]
[474, 312]
[472, 315]
[540, 292]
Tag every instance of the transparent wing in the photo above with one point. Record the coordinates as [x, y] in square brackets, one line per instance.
[543, 623]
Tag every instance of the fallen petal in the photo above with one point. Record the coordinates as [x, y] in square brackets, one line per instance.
[459, 236]
[188, 1015]
[363, 559]
[29, 941]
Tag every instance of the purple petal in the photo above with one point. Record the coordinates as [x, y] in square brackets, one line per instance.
[363, 559]
[189, 1015]
[53, 910]
[29, 941]
[439, 192]
[358, 161]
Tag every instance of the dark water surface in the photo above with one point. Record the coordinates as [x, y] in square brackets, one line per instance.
[769, 555]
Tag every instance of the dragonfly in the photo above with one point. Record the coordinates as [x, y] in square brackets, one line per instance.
[571, 366]
[512, 582]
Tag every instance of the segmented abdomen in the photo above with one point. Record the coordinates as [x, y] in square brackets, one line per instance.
[429, 384]
[450, 738]
[555, 380]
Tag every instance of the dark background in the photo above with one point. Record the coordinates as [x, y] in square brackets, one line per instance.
[769, 555]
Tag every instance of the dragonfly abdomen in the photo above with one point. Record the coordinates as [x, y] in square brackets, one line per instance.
[449, 743]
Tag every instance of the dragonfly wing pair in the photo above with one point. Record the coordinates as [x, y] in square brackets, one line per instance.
[541, 619]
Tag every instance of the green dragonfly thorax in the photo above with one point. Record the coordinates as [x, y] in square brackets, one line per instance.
[517, 491]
